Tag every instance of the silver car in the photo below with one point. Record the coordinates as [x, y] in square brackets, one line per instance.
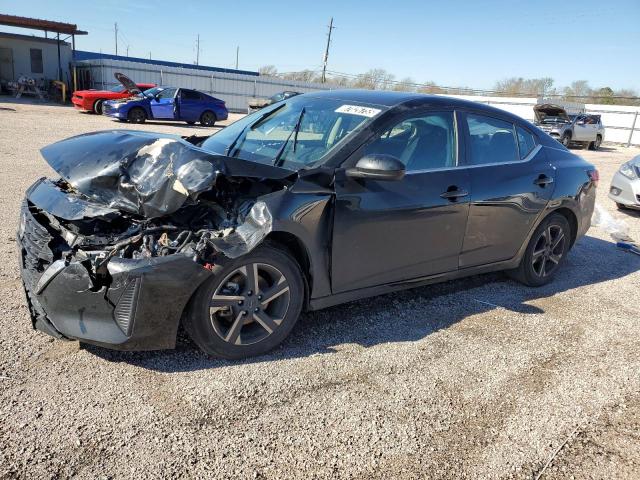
[584, 129]
[625, 186]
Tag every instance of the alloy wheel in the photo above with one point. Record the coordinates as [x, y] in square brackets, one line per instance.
[136, 116]
[208, 119]
[249, 304]
[596, 144]
[548, 251]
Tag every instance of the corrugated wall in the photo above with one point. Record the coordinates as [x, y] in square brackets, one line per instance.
[234, 89]
[622, 123]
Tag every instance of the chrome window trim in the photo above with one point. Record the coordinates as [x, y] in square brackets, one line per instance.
[532, 154]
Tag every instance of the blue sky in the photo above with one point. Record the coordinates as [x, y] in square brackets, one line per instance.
[453, 43]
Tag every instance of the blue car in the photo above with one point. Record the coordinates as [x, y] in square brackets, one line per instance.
[165, 103]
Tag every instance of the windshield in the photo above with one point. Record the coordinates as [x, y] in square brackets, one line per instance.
[116, 89]
[152, 92]
[299, 132]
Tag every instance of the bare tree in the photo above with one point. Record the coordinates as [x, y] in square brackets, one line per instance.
[525, 86]
[577, 91]
[407, 84]
[268, 70]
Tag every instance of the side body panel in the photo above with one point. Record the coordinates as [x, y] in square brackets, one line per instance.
[505, 205]
[392, 231]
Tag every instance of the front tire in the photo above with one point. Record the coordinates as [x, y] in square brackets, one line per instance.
[566, 139]
[545, 252]
[136, 115]
[249, 306]
[208, 119]
[97, 107]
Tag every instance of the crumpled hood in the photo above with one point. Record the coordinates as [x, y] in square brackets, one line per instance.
[144, 173]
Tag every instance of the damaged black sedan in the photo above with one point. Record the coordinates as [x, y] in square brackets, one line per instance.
[315, 201]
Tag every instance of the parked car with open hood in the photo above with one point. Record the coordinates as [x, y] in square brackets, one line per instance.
[314, 201]
[168, 103]
[258, 103]
[625, 185]
[92, 100]
[584, 129]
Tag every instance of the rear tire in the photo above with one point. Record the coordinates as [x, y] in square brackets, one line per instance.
[237, 314]
[208, 119]
[97, 107]
[137, 115]
[595, 145]
[545, 252]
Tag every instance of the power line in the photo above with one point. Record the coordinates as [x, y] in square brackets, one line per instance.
[475, 91]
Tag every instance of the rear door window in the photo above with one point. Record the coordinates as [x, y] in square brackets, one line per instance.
[491, 140]
[189, 95]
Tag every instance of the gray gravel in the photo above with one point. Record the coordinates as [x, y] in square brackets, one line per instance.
[432, 382]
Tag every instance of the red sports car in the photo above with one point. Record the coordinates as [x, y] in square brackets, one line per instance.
[91, 100]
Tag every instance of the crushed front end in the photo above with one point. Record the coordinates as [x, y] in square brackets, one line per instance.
[111, 253]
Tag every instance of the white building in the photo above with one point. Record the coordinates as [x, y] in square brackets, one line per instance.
[35, 57]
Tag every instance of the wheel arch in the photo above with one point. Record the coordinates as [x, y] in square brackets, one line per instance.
[297, 249]
[211, 111]
[571, 217]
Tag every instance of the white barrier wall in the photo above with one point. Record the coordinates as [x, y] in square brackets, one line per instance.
[618, 120]
[235, 89]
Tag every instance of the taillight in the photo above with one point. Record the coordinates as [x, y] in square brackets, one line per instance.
[594, 176]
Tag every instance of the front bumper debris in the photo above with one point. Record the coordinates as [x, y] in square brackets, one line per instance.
[139, 310]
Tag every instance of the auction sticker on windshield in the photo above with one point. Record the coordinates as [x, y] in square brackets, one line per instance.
[358, 110]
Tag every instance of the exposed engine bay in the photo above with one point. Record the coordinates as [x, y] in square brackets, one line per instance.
[150, 197]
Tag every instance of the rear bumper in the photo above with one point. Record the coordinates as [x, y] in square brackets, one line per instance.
[139, 310]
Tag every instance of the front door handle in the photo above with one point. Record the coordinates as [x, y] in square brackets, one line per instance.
[543, 180]
[453, 193]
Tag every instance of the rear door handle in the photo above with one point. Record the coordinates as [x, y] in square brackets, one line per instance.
[453, 193]
[543, 180]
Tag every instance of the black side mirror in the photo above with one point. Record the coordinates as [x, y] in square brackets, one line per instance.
[377, 167]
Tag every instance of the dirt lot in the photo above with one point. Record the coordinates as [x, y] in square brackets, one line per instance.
[474, 378]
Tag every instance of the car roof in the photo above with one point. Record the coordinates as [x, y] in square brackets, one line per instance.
[392, 99]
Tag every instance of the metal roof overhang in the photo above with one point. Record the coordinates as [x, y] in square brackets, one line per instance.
[38, 24]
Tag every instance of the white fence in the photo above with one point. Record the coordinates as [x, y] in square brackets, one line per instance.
[622, 123]
[235, 89]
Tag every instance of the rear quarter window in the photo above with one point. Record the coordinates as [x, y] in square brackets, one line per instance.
[526, 142]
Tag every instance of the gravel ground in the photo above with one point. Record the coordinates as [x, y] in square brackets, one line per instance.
[480, 377]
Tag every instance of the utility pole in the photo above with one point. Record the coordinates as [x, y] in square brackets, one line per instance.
[116, 32]
[198, 50]
[326, 52]
[149, 55]
[237, 55]
[127, 50]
